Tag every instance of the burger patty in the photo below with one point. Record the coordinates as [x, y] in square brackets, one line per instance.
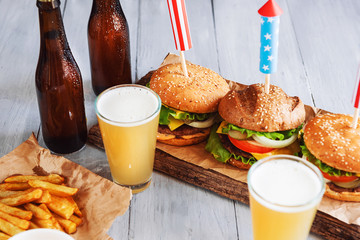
[231, 148]
[145, 79]
[182, 130]
[336, 188]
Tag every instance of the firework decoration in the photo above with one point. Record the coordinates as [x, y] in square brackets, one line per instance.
[269, 39]
[356, 100]
[180, 27]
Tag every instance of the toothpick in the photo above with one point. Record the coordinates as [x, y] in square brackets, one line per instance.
[355, 118]
[267, 83]
[183, 63]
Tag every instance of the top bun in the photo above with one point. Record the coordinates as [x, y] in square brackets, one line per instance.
[199, 93]
[253, 109]
[331, 139]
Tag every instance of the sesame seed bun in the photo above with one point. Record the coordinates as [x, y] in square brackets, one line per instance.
[253, 109]
[331, 139]
[342, 196]
[199, 93]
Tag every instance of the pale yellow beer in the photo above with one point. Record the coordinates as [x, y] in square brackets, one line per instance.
[128, 117]
[285, 192]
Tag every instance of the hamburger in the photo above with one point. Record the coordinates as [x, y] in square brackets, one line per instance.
[256, 125]
[333, 146]
[189, 104]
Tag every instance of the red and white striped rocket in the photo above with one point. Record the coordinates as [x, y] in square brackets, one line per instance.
[356, 100]
[356, 94]
[180, 25]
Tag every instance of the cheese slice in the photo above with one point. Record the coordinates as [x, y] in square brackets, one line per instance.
[174, 123]
[221, 126]
[289, 150]
[177, 112]
[276, 151]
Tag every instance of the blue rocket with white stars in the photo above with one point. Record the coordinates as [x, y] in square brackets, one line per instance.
[269, 38]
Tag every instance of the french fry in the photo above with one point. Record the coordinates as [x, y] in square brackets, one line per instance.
[18, 193]
[76, 220]
[45, 197]
[61, 206]
[52, 178]
[6, 193]
[4, 236]
[21, 223]
[52, 194]
[37, 211]
[76, 207]
[54, 189]
[46, 223]
[14, 186]
[53, 219]
[9, 228]
[16, 211]
[27, 196]
[67, 225]
[33, 226]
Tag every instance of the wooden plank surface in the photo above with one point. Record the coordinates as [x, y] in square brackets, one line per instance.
[19, 44]
[328, 37]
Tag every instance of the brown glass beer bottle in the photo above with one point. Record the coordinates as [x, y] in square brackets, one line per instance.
[109, 45]
[58, 85]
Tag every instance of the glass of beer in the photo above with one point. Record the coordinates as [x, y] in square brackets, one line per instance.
[128, 117]
[285, 192]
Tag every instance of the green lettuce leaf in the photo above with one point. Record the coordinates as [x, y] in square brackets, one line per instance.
[166, 112]
[215, 147]
[164, 115]
[280, 135]
[323, 167]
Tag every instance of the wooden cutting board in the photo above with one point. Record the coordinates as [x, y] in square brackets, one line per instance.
[324, 225]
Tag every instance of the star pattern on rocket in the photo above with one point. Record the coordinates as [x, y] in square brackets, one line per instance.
[269, 44]
[269, 37]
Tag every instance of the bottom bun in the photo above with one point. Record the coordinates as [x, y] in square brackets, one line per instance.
[342, 196]
[239, 164]
[184, 140]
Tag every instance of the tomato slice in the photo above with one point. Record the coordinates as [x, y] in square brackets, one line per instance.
[339, 178]
[250, 146]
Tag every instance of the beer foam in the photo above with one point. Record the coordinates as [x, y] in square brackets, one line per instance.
[285, 183]
[128, 106]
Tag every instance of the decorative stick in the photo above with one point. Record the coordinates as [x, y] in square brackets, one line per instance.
[355, 118]
[267, 83]
[183, 63]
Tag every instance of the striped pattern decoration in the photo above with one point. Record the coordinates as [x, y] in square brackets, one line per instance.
[356, 94]
[180, 25]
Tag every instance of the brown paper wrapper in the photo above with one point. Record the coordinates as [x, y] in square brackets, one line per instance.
[99, 199]
[348, 212]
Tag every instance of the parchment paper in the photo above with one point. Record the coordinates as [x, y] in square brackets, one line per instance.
[99, 199]
[348, 212]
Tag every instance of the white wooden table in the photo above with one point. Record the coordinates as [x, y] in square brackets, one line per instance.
[319, 53]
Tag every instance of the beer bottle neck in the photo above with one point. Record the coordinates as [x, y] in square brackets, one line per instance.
[51, 24]
[106, 5]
